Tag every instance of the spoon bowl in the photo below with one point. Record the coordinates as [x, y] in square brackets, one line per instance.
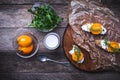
[43, 58]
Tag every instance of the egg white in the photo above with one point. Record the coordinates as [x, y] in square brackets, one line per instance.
[103, 30]
[81, 61]
[103, 45]
[72, 51]
[86, 27]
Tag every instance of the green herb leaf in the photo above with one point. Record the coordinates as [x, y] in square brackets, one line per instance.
[106, 42]
[76, 49]
[45, 18]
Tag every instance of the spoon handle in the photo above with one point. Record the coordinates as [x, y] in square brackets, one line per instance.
[64, 63]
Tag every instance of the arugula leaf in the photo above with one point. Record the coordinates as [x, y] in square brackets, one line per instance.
[45, 18]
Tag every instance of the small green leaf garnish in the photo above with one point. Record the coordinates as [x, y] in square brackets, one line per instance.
[76, 49]
[106, 42]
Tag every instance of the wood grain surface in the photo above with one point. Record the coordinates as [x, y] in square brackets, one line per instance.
[33, 1]
[14, 15]
[12, 67]
[18, 15]
[68, 43]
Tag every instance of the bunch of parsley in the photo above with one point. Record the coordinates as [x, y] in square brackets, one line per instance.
[45, 17]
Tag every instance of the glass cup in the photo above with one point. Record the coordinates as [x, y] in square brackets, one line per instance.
[51, 41]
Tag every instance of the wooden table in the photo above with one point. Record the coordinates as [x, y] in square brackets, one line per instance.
[13, 16]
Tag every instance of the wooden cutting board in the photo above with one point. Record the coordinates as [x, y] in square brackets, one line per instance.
[68, 43]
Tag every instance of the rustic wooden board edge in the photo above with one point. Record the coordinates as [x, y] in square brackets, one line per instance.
[86, 66]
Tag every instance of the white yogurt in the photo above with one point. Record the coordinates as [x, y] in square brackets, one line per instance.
[51, 41]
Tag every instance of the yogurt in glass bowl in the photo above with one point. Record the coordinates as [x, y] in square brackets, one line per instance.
[51, 41]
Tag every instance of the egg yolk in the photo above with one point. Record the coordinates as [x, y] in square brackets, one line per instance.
[112, 46]
[75, 56]
[24, 40]
[26, 50]
[25, 44]
[96, 28]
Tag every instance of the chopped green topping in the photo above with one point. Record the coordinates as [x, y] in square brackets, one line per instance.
[76, 49]
[106, 42]
[115, 50]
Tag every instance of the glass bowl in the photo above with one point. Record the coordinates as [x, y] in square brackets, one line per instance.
[51, 41]
[38, 4]
[35, 46]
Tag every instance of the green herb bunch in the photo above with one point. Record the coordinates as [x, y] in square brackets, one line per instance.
[45, 17]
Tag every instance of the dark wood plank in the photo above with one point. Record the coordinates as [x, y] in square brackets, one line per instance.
[108, 2]
[61, 76]
[18, 15]
[33, 1]
[11, 63]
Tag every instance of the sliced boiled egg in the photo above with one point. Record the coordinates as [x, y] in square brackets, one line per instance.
[110, 46]
[103, 45]
[94, 28]
[113, 47]
[76, 54]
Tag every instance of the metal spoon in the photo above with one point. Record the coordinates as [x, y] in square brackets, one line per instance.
[43, 58]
